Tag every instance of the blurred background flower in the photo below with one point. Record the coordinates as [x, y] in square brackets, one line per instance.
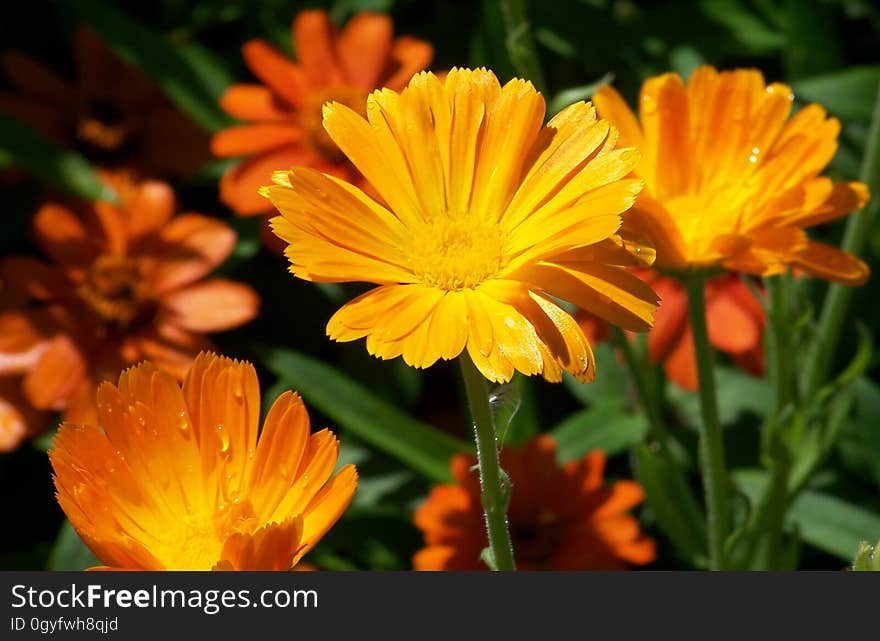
[123, 283]
[561, 518]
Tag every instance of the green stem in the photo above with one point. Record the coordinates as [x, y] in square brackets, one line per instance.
[779, 355]
[860, 223]
[711, 444]
[644, 386]
[494, 490]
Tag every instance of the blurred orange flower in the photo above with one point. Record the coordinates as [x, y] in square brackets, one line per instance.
[177, 479]
[123, 283]
[284, 114]
[110, 113]
[730, 180]
[735, 321]
[560, 518]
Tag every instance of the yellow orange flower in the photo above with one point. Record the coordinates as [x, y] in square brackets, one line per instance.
[284, 114]
[560, 518]
[734, 317]
[176, 479]
[124, 283]
[110, 112]
[486, 215]
[730, 180]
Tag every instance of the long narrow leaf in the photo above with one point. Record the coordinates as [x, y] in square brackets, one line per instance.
[377, 422]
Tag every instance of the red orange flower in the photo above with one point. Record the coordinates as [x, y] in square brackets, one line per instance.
[177, 479]
[111, 113]
[734, 317]
[284, 114]
[560, 518]
[730, 180]
[123, 283]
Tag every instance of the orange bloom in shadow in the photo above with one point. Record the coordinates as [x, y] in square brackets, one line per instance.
[123, 283]
[110, 112]
[734, 317]
[177, 479]
[561, 518]
[284, 113]
[730, 180]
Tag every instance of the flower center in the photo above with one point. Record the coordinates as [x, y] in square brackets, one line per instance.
[102, 130]
[114, 291]
[536, 541]
[311, 117]
[454, 254]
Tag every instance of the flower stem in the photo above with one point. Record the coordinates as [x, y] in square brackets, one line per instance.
[834, 309]
[644, 386]
[711, 443]
[494, 490]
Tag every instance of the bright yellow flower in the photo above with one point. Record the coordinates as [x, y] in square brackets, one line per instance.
[482, 216]
[730, 180]
[175, 479]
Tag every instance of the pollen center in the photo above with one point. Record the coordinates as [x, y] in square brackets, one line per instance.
[114, 290]
[454, 254]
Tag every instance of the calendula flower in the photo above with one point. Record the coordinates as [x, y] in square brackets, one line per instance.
[561, 518]
[735, 320]
[123, 283]
[109, 112]
[176, 479]
[284, 113]
[486, 215]
[730, 179]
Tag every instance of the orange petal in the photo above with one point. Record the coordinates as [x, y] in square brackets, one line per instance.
[212, 306]
[150, 208]
[411, 55]
[731, 328]
[23, 339]
[681, 363]
[831, 263]
[363, 48]
[313, 38]
[55, 375]
[253, 102]
[285, 78]
[271, 548]
[253, 139]
[191, 246]
[63, 237]
[239, 187]
[612, 107]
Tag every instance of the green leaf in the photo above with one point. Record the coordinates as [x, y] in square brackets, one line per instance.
[611, 379]
[69, 552]
[604, 426]
[30, 150]
[515, 410]
[860, 440]
[188, 75]
[677, 512]
[418, 445]
[848, 94]
[572, 95]
[825, 522]
[755, 35]
[738, 394]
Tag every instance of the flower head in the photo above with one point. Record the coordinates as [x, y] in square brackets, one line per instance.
[123, 283]
[176, 479]
[110, 112]
[485, 215]
[560, 518]
[284, 113]
[730, 180]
